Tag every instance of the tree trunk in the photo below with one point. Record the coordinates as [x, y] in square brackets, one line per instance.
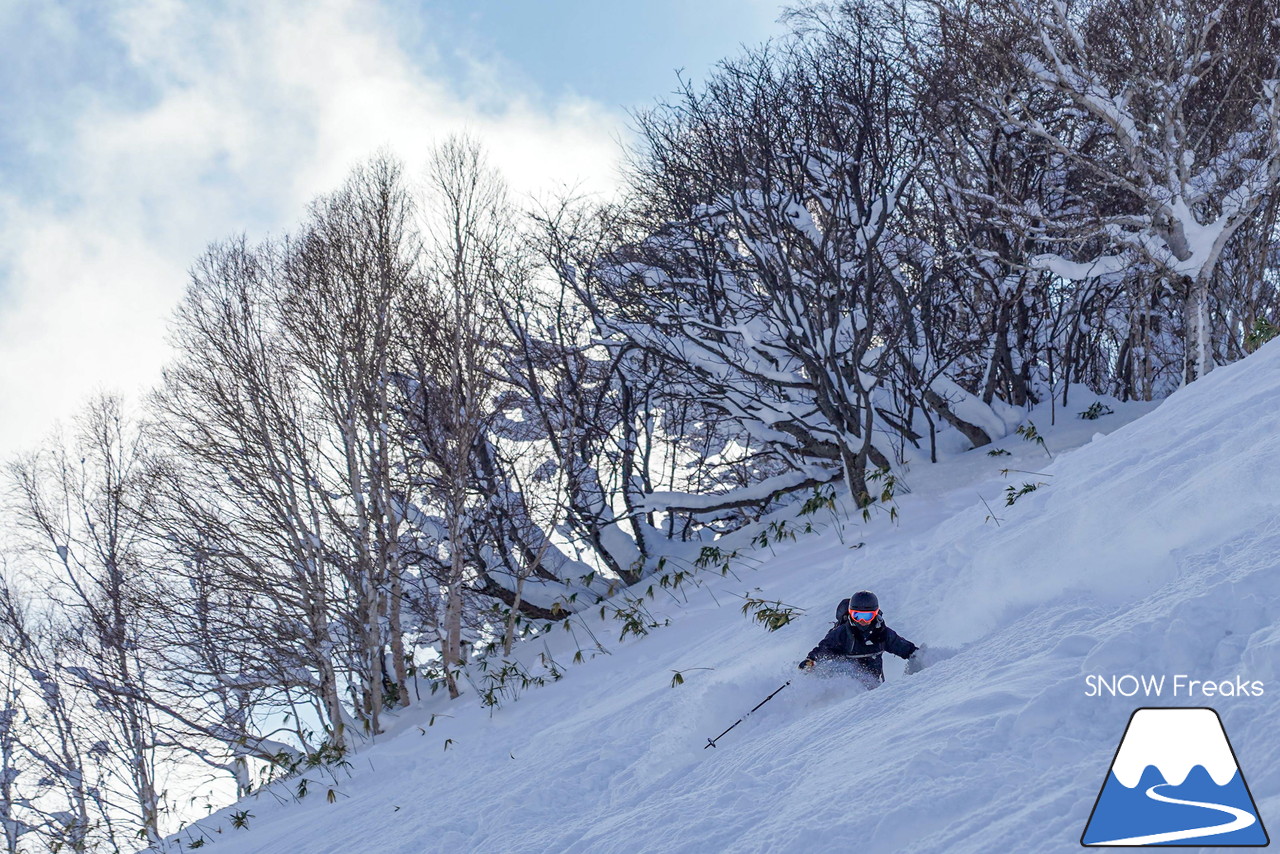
[452, 657]
[329, 697]
[509, 635]
[1197, 359]
[374, 652]
[855, 476]
[399, 665]
[975, 434]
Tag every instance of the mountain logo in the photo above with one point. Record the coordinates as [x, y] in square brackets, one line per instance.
[1174, 782]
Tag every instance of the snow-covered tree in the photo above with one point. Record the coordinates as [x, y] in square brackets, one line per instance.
[79, 506]
[449, 364]
[345, 279]
[772, 270]
[1175, 137]
[245, 494]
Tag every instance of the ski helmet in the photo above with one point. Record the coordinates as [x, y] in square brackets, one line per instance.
[864, 608]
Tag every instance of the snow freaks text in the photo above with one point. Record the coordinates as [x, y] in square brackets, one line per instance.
[1179, 685]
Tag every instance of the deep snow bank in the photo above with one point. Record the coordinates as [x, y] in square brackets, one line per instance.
[1152, 550]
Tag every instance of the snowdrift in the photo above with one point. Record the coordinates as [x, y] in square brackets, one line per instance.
[1150, 550]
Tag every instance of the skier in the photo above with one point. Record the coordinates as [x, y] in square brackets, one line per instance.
[859, 637]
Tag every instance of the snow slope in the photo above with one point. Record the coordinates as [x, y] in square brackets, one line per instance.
[1152, 550]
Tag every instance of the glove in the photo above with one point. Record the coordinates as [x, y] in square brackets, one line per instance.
[807, 664]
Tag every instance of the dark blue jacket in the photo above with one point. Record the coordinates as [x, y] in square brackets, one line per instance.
[846, 640]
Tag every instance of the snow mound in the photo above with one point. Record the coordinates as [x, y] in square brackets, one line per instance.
[1150, 550]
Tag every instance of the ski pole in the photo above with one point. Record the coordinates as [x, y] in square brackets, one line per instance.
[711, 742]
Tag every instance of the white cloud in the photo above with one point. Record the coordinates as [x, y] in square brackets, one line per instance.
[256, 110]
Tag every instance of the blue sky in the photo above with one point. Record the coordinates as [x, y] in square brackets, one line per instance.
[62, 58]
[135, 132]
[615, 53]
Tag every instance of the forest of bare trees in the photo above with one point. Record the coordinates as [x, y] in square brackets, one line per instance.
[433, 419]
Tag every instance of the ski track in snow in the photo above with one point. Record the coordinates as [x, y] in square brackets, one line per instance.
[1152, 550]
[1240, 820]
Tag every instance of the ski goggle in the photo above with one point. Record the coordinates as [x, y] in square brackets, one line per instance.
[863, 617]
